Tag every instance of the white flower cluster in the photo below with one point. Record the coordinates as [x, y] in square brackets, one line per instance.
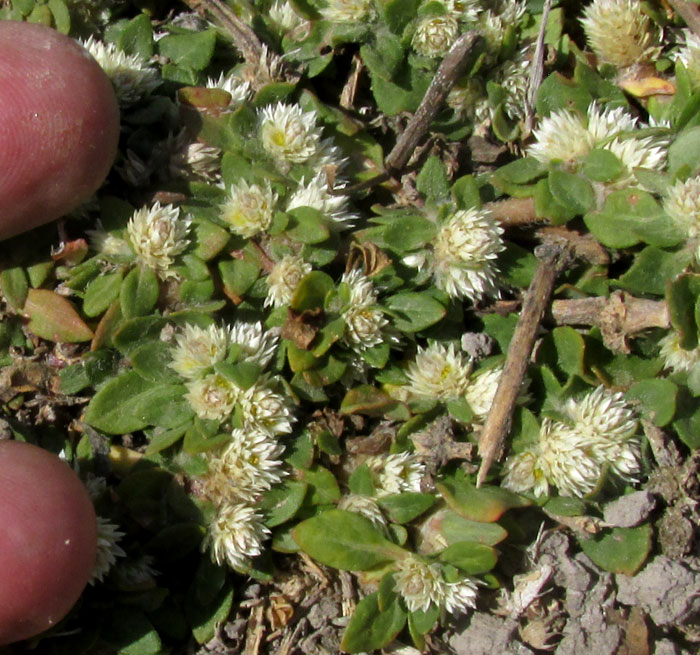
[250, 463]
[348, 11]
[395, 473]
[284, 279]
[131, 75]
[291, 135]
[462, 257]
[568, 137]
[157, 235]
[619, 32]
[365, 323]
[682, 204]
[108, 549]
[422, 585]
[689, 56]
[238, 88]
[675, 357]
[600, 434]
[191, 159]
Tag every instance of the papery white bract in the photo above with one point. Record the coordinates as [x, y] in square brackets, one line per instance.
[396, 472]
[248, 208]
[255, 343]
[439, 371]
[435, 35]
[108, 534]
[212, 397]
[348, 11]
[198, 349]
[284, 279]
[678, 359]
[365, 322]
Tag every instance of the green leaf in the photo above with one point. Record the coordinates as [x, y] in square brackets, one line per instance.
[465, 193]
[602, 165]
[307, 225]
[420, 623]
[361, 481]
[432, 180]
[684, 152]
[101, 293]
[564, 506]
[192, 51]
[139, 292]
[14, 285]
[120, 406]
[520, 171]
[681, 297]
[53, 318]
[658, 399]
[345, 541]
[323, 487]
[557, 92]
[163, 439]
[460, 410]
[243, 374]
[406, 506]
[547, 206]
[455, 528]
[282, 502]
[413, 311]
[369, 629]
[517, 265]
[471, 557]
[366, 399]
[203, 435]
[652, 268]
[311, 291]
[485, 504]
[137, 37]
[570, 350]
[571, 191]
[620, 550]
[206, 618]
[406, 233]
[152, 362]
[129, 632]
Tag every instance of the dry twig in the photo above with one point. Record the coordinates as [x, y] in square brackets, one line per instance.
[537, 70]
[552, 260]
[689, 12]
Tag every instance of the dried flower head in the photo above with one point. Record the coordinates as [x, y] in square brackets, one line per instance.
[235, 535]
[108, 534]
[439, 372]
[131, 76]
[284, 279]
[365, 323]
[395, 473]
[198, 349]
[619, 32]
[157, 235]
[249, 208]
[675, 357]
[435, 35]
[192, 160]
[348, 11]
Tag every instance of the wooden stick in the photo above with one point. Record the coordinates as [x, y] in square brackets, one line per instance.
[552, 260]
[451, 68]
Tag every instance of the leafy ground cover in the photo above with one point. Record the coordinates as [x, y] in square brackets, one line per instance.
[382, 333]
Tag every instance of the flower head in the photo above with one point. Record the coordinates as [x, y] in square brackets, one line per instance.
[212, 397]
[348, 11]
[108, 534]
[236, 87]
[439, 372]
[289, 134]
[315, 194]
[282, 14]
[435, 35]
[481, 391]
[395, 473]
[255, 344]
[249, 208]
[198, 349]
[675, 357]
[266, 409]
[249, 465]
[464, 254]
[365, 322]
[364, 506]
[235, 535]
[619, 32]
[157, 235]
[131, 76]
[284, 279]
[192, 160]
[682, 204]
[572, 456]
[689, 56]
[422, 585]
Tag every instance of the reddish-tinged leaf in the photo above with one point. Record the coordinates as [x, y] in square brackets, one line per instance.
[53, 318]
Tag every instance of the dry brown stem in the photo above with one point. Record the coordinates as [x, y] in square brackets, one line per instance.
[553, 258]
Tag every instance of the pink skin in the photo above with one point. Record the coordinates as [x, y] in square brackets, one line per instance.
[59, 126]
[48, 540]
